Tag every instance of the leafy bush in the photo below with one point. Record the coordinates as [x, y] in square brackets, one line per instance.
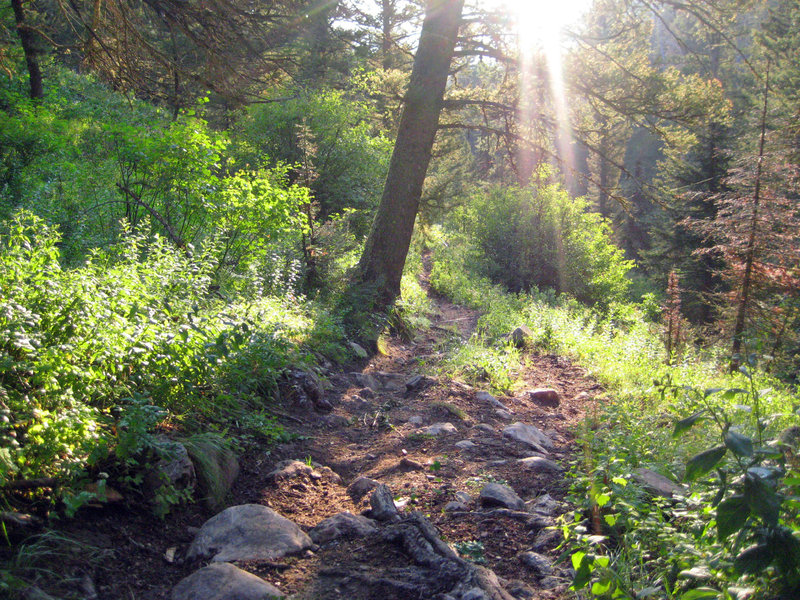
[539, 237]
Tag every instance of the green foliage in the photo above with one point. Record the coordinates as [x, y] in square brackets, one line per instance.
[330, 140]
[539, 237]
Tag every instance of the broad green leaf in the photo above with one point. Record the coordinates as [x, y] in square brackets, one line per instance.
[732, 514]
[687, 423]
[738, 444]
[702, 463]
[729, 394]
[761, 498]
[754, 559]
[712, 391]
[600, 587]
[577, 559]
[703, 593]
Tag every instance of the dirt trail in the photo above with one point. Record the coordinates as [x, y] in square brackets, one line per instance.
[377, 429]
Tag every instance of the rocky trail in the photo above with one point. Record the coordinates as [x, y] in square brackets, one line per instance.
[397, 484]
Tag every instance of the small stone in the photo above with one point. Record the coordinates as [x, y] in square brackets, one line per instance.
[546, 539]
[491, 400]
[475, 593]
[463, 497]
[545, 397]
[223, 581]
[466, 445]
[657, 484]
[360, 487]
[439, 429]
[583, 397]
[545, 505]
[175, 468]
[418, 382]
[454, 506]
[342, 525]
[382, 503]
[485, 427]
[357, 349]
[538, 464]
[497, 494]
[549, 583]
[520, 590]
[538, 563]
[366, 394]
[529, 435]
[416, 420]
[503, 414]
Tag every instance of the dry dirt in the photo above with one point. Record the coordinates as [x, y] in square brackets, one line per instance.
[369, 434]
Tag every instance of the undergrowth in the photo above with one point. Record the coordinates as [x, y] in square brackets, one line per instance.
[729, 439]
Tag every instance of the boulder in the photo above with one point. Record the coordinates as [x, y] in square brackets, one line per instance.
[342, 525]
[306, 388]
[223, 581]
[216, 467]
[497, 494]
[529, 435]
[545, 397]
[247, 532]
[174, 468]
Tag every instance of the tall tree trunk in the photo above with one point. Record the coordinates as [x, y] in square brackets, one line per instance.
[28, 42]
[386, 249]
[750, 251]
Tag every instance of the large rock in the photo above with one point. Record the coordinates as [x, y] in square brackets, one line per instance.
[545, 397]
[174, 468]
[223, 581]
[248, 532]
[497, 494]
[216, 467]
[529, 435]
[345, 524]
[305, 387]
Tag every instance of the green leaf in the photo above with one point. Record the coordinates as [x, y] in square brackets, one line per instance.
[732, 514]
[711, 391]
[600, 587]
[739, 444]
[702, 463]
[754, 559]
[732, 392]
[703, 593]
[761, 498]
[687, 423]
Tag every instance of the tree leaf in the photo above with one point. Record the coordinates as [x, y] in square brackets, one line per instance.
[754, 559]
[711, 391]
[687, 423]
[761, 498]
[738, 444]
[702, 463]
[732, 514]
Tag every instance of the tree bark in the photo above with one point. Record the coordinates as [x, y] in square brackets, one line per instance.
[750, 252]
[387, 246]
[28, 42]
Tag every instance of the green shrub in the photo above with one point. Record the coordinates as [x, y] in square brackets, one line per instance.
[538, 237]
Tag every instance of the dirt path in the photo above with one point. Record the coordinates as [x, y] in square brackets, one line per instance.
[377, 429]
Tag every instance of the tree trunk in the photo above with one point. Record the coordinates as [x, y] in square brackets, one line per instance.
[385, 252]
[28, 42]
[744, 298]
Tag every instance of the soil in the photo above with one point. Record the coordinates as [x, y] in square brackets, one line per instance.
[367, 434]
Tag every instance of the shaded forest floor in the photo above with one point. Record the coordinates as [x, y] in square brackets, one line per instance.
[377, 429]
